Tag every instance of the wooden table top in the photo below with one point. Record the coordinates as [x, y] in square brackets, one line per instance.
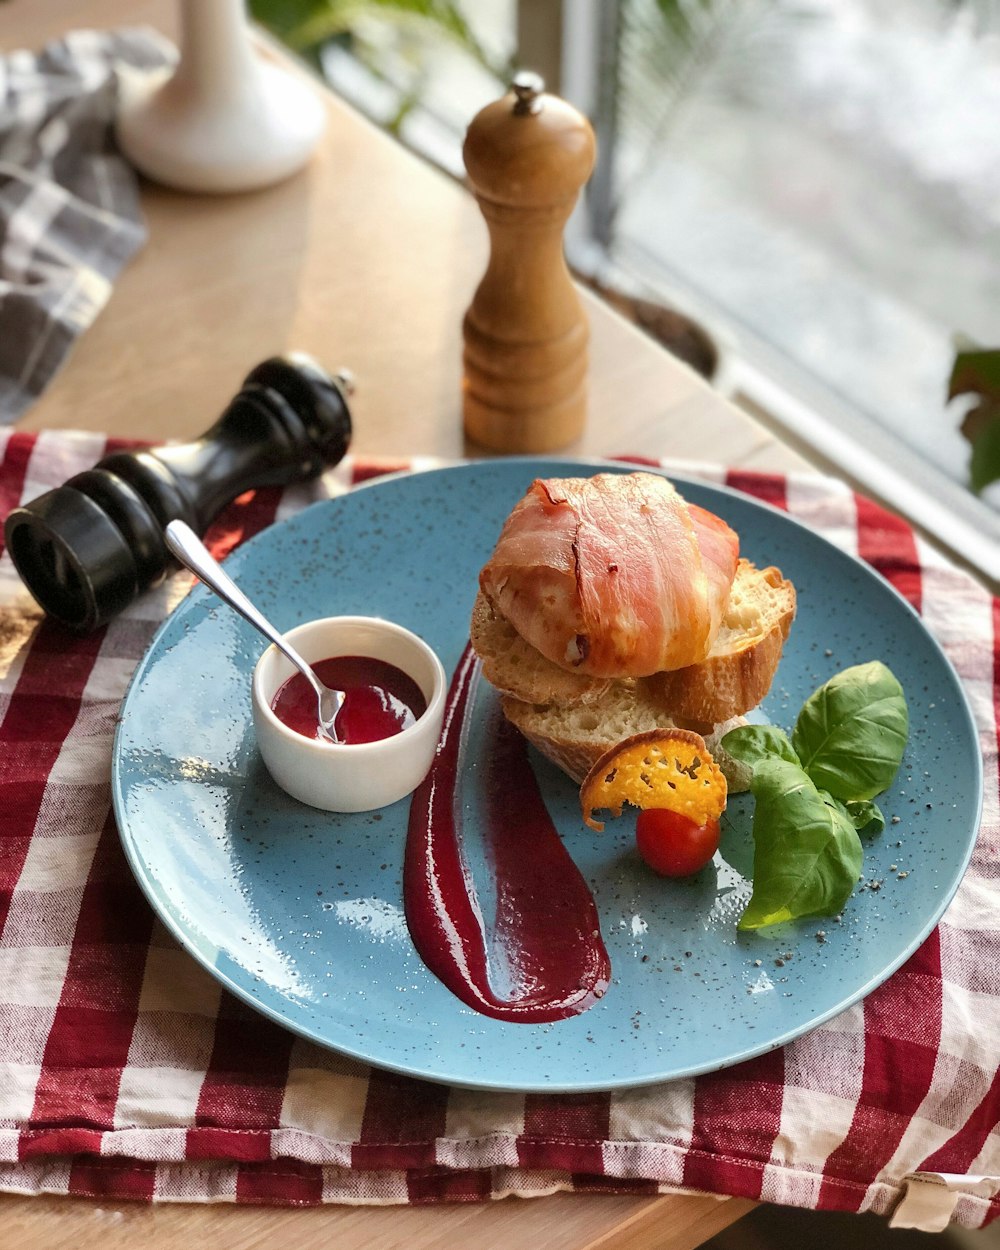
[368, 259]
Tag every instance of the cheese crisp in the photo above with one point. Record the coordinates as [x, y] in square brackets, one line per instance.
[670, 769]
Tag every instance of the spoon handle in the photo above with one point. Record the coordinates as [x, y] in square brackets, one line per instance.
[185, 544]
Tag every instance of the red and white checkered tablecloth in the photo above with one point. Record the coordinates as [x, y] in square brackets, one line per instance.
[126, 1071]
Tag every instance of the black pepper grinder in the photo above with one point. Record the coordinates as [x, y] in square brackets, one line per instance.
[88, 548]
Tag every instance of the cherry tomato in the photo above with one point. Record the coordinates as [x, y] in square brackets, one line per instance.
[672, 844]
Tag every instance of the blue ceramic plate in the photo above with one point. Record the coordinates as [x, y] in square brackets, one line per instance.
[299, 912]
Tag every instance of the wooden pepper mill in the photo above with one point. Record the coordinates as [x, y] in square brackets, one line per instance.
[526, 333]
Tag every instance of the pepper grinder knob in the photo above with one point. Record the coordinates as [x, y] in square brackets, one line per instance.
[525, 333]
[88, 548]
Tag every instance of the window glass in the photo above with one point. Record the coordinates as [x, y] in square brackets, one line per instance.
[824, 175]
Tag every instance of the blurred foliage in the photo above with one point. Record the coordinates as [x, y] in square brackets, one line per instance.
[391, 38]
[977, 372]
[307, 24]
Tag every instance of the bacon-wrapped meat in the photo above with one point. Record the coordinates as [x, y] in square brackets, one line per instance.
[613, 575]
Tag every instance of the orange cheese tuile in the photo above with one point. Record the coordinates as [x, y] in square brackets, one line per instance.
[664, 768]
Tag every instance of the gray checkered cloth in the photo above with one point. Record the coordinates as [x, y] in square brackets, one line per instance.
[69, 203]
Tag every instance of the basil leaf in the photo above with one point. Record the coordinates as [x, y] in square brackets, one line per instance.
[807, 854]
[752, 743]
[851, 732]
[863, 814]
[866, 815]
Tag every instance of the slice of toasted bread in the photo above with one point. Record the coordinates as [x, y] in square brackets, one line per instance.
[744, 658]
[734, 678]
[575, 738]
[515, 668]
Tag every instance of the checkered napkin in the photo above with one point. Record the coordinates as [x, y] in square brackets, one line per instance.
[69, 204]
[126, 1071]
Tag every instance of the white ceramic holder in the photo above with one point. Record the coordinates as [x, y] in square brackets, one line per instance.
[346, 777]
[224, 120]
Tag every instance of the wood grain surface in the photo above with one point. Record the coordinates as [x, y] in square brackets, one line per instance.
[558, 1222]
[368, 258]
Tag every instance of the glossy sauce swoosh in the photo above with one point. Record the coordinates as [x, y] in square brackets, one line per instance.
[544, 944]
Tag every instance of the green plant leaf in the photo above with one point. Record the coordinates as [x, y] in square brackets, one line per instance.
[866, 816]
[851, 732]
[976, 372]
[752, 743]
[982, 428]
[807, 853]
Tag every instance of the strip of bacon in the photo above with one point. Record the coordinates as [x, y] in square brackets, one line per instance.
[613, 575]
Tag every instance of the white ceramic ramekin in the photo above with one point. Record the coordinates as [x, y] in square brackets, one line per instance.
[364, 776]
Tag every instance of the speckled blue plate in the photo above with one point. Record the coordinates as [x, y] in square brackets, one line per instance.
[299, 912]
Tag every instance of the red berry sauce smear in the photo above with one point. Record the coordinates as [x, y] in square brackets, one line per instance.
[544, 945]
[379, 699]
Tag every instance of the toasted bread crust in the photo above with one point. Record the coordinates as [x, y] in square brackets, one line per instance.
[574, 739]
[515, 668]
[739, 672]
[735, 677]
[575, 757]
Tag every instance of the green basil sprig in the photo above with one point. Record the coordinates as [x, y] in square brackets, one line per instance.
[813, 793]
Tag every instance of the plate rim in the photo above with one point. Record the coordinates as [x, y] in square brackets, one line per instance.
[198, 592]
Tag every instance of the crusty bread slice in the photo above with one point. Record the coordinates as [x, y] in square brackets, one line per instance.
[734, 678]
[744, 658]
[515, 668]
[575, 738]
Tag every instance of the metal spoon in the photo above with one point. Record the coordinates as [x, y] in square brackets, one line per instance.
[185, 544]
